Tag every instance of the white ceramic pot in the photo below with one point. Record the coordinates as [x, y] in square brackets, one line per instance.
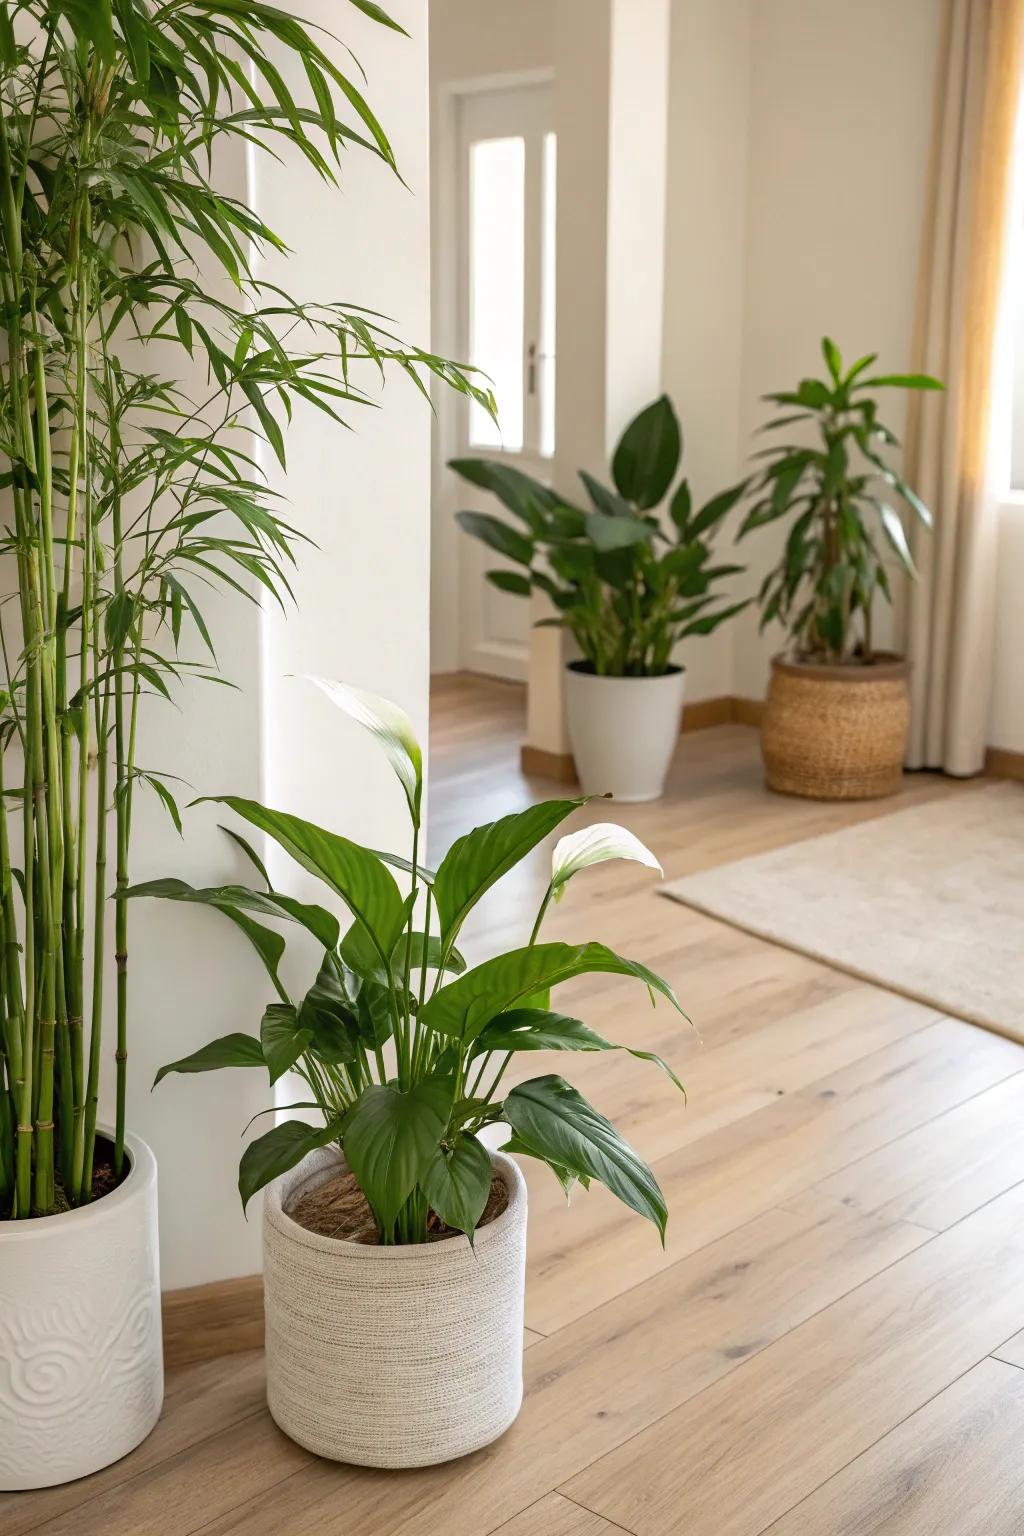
[81, 1356]
[623, 730]
[393, 1357]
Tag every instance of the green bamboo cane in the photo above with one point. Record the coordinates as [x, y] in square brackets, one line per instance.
[85, 1161]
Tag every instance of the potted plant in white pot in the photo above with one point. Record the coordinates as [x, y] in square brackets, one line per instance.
[836, 719]
[394, 1241]
[628, 585]
[125, 497]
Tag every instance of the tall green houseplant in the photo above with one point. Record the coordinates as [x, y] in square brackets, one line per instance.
[842, 498]
[126, 497]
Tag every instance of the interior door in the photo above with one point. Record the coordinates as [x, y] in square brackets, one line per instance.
[506, 176]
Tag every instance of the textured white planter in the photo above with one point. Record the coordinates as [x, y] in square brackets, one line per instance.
[81, 1357]
[393, 1357]
[623, 731]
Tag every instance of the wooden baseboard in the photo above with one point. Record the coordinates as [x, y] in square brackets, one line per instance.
[204, 1321]
[747, 711]
[1001, 764]
[538, 764]
[699, 716]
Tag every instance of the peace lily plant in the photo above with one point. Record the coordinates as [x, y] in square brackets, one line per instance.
[401, 1048]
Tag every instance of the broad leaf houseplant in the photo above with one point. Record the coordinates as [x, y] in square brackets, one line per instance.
[130, 487]
[628, 585]
[404, 1347]
[835, 724]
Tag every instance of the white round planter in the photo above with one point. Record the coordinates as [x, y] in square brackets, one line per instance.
[393, 1357]
[623, 731]
[81, 1357]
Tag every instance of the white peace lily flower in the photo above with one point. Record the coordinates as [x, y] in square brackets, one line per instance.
[593, 845]
[392, 728]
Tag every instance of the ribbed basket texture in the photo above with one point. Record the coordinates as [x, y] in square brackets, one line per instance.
[836, 733]
[393, 1357]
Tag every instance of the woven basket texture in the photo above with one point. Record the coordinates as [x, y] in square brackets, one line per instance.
[833, 737]
[393, 1357]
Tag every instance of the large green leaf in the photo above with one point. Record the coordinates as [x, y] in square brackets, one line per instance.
[432, 949]
[465, 1006]
[647, 456]
[520, 493]
[358, 876]
[281, 1039]
[473, 864]
[228, 1051]
[392, 728]
[390, 1138]
[537, 1029]
[564, 1129]
[497, 535]
[329, 1018]
[457, 1182]
[323, 925]
[266, 1158]
[516, 1146]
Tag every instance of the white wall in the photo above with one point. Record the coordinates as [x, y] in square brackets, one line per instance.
[363, 616]
[840, 133]
[709, 135]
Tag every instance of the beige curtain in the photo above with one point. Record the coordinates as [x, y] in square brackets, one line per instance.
[949, 617]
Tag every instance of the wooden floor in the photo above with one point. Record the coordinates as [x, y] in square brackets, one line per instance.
[832, 1343]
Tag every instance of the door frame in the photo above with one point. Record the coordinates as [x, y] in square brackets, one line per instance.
[448, 257]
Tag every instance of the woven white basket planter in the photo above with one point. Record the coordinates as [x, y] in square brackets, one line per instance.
[393, 1357]
[81, 1358]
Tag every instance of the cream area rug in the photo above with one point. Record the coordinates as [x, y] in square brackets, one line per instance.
[928, 902]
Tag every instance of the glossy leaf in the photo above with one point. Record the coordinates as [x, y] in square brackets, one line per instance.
[353, 872]
[279, 1150]
[497, 536]
[645, 462]
[281, 1039]
[229, 1051]
[520, 493]
[473, 863]
[457, 1183]
[463, 1008]
[537, 1029]
[323, 925]
[390, 1139]
[329, 1018]
[567, 1131]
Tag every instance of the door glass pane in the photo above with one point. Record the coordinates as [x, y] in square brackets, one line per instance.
[496, 239]
[546, 351]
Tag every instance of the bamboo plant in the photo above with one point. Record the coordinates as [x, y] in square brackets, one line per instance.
[401, 1049]
[129, 493]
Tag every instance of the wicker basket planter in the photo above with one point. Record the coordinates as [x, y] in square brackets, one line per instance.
[393, 1357]
[836, 733]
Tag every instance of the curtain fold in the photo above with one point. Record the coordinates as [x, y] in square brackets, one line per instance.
[949, 620]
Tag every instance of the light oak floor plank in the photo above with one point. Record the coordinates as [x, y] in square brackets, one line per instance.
[733, 1174]
[593, 1385]
[938, 1174]
[955, 1466]
[752, 1446]
[826, 1122]
[201, 1400]
[557, 1516]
